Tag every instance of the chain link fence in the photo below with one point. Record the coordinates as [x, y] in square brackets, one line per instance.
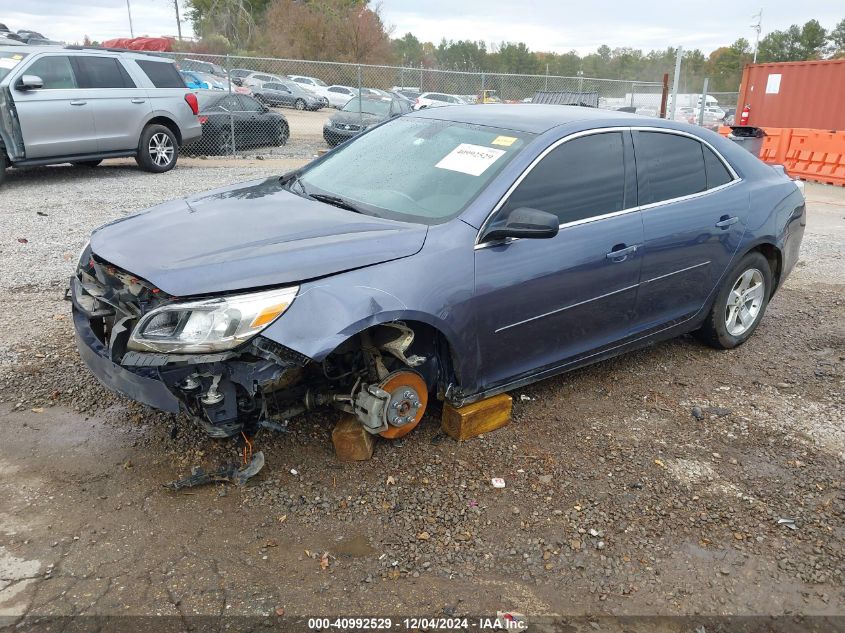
[294, 108]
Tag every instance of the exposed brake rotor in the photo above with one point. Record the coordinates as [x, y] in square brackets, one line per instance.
[408, 400]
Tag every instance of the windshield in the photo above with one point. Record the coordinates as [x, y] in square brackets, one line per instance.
[8, 61]
[414, 169]
[379, 107]
[320, 82]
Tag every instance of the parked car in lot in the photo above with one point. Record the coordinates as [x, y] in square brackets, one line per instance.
[195, 82]
[458, 252]
[256, 79]
[288, 94]
[237, 74]
[437, 99]
[339, 95]
[233, 121]
[80, 106]
[197, 65]
[352, 119]
[409, 93]
[312, 84]
[5, 40]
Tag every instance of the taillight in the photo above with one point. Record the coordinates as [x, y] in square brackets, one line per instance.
[191, 100]
[417, 101]
[203, 119]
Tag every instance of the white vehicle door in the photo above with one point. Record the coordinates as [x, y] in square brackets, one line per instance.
[120, 107]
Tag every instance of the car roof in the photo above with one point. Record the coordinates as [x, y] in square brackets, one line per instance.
[526, 117]
[82, 50]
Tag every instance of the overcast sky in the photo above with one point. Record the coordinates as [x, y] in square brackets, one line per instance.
[549, 25]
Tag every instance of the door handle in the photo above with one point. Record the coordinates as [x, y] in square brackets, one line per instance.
[620, 252]
[139, 100]
[78, 102]
[725, 221]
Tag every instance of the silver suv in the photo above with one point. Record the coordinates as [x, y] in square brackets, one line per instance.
[82, 105]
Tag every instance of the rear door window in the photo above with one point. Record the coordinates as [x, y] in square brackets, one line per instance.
[670, 166]
[580, 179]
[55, 71]
[101, 72]
[161, 74]
[717, 173]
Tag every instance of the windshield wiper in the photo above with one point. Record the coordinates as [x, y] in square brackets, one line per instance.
[336, 201]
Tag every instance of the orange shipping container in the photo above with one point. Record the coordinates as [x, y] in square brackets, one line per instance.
[807, 94]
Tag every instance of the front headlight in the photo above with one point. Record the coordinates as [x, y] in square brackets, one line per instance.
[85, 254]
[209, 325]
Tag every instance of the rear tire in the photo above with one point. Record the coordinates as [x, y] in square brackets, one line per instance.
[225, 142]
[3, 164]
[282, 134]
[740, 303]
[157, 149]
[299, 105]
[87, 163]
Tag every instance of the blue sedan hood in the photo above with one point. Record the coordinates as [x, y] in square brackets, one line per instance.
[246, 236]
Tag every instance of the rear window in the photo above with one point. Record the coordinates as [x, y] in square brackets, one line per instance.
[162, 74]
[101, 72]
[717, 173]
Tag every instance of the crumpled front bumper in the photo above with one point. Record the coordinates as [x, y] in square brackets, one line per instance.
[144, 389]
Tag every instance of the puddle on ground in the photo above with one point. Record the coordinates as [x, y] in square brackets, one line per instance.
[355, 546]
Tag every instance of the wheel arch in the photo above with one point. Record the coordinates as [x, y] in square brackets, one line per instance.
[167, 122]
[774, 256]
[430, 341]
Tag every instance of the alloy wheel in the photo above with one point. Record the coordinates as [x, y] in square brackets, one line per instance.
[161, 149]
[745, 302]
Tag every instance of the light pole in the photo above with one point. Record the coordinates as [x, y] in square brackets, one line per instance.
[178, 21]
[129, 11]
[757, 26]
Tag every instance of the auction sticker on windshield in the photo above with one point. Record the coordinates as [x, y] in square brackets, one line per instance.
[470, 159]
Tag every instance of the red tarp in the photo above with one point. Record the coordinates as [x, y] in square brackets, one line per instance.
[163, 44]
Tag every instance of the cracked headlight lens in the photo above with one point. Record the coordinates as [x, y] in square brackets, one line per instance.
[209, 325]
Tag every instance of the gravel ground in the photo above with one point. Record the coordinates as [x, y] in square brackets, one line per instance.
[649, 484]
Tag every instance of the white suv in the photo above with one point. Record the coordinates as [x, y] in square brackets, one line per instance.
[436, 99]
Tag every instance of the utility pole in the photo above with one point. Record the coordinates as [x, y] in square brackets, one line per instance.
[757, 26]
[680, 54]
[178, 21]
[129, 11]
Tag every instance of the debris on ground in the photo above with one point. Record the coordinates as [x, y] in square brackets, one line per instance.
[228, 474]
[790, 523]
[498, 482]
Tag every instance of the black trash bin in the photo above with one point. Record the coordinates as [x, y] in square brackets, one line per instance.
[748, 137]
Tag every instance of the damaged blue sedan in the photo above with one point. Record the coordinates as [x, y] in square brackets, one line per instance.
[457, 252]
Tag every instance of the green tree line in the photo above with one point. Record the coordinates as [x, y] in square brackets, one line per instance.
[353, 30]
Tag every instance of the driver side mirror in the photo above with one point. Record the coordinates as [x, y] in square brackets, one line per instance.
[527, 223]
[30, 82]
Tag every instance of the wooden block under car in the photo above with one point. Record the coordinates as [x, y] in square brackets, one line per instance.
[476, 418]
[351, 442]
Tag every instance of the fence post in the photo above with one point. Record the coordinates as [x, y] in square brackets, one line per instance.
[360, 104]
[546, 81]
[703, 103]
[231, 114]
[664, 94]
[421, 78]
[675, 81]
